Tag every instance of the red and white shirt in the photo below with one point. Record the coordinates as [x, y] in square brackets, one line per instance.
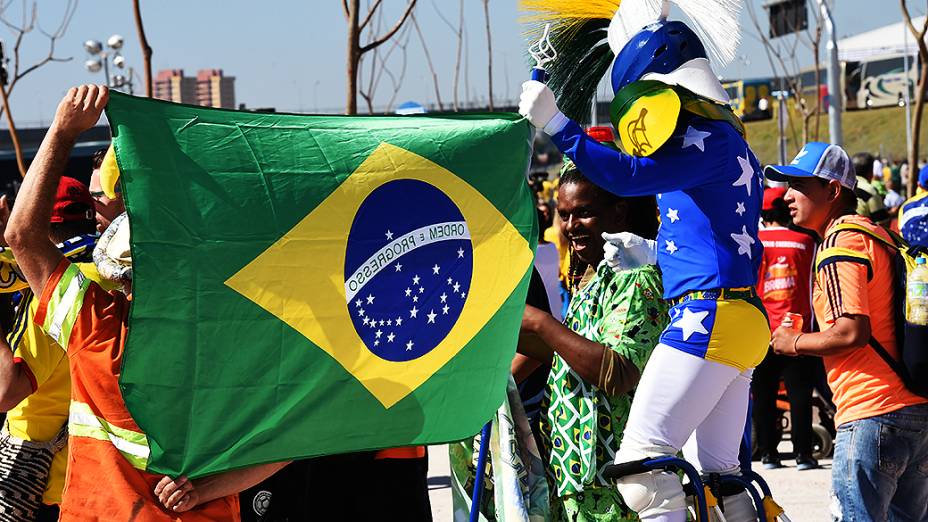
[785, 274]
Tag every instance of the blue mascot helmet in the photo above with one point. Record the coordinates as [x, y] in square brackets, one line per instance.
[661, 47]
[669, 52]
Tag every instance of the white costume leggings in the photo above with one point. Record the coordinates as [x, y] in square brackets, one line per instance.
[686, 402]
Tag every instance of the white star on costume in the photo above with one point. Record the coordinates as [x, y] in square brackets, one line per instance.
[673, 214]
[799, 156]
[744, 241]
[431, 315]
[413, 312]
[460, 252]
[695, 137]
[747, 174]
[390, 337]
[671, 246]
[435, 269]
[691, 322]
[415, 280]
[370, 299]
[399, 267]
[389, 234]
[409, 346]
[740, 210]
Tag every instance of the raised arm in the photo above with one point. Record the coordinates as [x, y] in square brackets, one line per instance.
[672, 167]
[678, 165]
[28, 228]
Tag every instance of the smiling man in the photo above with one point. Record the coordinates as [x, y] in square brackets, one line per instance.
[881, 451]
[598, 353]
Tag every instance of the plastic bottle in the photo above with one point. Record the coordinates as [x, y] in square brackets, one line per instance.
[916, 302]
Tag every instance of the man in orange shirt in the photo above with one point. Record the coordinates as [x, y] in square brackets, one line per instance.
[106, 478]
[880, 467]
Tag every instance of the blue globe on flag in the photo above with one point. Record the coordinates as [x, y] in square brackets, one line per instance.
[408, 269]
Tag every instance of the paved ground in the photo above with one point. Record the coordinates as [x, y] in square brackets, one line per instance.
[803, 494]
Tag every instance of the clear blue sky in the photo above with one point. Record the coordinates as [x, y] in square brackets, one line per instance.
[290, 54]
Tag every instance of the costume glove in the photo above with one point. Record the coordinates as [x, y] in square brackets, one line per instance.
[538, 105]
[625, 251]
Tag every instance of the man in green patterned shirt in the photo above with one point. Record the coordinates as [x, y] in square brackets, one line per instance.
[613, 322]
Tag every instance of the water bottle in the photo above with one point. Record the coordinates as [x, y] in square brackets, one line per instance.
[916, 302]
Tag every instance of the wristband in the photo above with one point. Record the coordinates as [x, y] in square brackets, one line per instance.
[556, 124]
[796, 344]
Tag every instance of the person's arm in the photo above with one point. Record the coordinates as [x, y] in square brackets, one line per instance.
[522, 367]
[848, 333]
[182, 494]
[583, 355]
[15, 384]
[28, 228]
[671, 167]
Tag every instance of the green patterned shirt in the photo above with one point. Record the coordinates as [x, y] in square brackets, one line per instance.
[624, 312]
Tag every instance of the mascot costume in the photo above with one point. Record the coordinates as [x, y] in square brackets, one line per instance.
[685, 146]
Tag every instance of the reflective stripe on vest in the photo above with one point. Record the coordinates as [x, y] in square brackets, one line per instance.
[61, 311]
[83, 423]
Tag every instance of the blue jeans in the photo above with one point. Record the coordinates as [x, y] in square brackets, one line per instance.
[880, 467]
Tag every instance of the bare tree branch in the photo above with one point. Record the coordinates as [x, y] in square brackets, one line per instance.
[29, 23]
[922, 86]
[370, 13]
[428, 61]
[379, 41]
[345, 7]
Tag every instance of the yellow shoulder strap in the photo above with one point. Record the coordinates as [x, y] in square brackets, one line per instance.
[864, 230]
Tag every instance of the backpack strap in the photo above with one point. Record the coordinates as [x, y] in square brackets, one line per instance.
[896, 246]
[893, 243]
[897, 367]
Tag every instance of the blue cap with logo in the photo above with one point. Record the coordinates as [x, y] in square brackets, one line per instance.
[816, 160]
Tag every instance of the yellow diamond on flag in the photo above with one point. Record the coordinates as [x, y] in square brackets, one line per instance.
[309, 280]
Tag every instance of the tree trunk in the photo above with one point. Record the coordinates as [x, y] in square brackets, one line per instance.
[486, 14]
[354, 56]
[917, 126]
[146, 49]
[457, 60]
[14, 136]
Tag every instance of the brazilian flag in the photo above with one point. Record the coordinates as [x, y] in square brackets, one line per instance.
[311, 285]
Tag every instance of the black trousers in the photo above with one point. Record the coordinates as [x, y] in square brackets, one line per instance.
[350, 487]
[799, 374]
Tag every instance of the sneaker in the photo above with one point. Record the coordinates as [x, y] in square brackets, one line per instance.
[771, 462]
[805, 462]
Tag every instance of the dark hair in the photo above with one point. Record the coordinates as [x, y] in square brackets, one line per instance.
[847, 197]
[97, 159]
[60, 232]
[863, 164]
[641, 216]
[779, 214]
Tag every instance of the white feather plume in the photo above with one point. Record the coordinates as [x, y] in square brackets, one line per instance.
[714, 21]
